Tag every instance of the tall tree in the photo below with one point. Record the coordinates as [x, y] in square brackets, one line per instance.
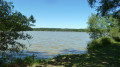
[110, 9]
[105, 7]
[98, 26]
[12, 23]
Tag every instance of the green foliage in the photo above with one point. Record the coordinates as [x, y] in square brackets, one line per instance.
[24, 62]
[97, 26]
[114, 28]
[100, 43]
[27, 61]
[105, 7]
[20, 62]
[12, 23]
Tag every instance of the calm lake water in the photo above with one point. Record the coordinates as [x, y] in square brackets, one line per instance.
[47, 44]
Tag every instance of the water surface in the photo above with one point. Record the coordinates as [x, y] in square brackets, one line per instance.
[49, 44]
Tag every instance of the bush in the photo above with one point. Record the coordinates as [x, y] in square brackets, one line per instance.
[100, 43]
[116, 39]
[22, 62]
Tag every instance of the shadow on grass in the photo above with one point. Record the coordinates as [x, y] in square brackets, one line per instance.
[108, 56]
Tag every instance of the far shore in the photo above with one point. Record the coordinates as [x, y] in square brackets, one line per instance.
[59, 29]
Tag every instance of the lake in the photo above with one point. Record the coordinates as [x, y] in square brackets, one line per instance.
[47, 44]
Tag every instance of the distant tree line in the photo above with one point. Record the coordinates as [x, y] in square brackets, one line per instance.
[59, 29]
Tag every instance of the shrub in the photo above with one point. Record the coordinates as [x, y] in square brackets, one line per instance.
[22, 62]
[116, 39]
[100, 43]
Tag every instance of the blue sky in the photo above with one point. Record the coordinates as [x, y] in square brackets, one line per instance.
[56, 13]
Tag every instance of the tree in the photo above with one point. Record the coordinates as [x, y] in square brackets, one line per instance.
[97, 26]
[105, 7]
[111, 10]
[114, 28]
[12, 23]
